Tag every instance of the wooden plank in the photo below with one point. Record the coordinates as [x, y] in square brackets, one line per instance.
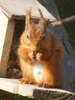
[16, 87]
[6, 34]
[22, 6]
[3, 27]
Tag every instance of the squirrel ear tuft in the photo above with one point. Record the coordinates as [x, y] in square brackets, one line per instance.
[28, 18]
[42, 20]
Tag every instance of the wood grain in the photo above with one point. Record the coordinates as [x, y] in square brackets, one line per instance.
[6, 35]
[16, 87]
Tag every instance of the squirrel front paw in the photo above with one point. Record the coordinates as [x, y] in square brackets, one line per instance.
[24, 80]
[38, 56]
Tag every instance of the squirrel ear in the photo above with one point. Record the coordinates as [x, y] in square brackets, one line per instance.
[42, 20]
[28, 19]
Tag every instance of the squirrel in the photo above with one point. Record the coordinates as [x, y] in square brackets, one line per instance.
[40, 54]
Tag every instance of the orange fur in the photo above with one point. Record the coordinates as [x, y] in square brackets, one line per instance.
[39, 44]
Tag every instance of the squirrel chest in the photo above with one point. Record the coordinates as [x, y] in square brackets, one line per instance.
[38, 72]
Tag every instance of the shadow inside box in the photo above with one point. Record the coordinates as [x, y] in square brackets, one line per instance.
[13, 70]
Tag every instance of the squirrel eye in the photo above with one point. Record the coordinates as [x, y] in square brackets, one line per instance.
[27, 36]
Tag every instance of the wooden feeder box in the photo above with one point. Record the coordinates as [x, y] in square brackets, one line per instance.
[11, 10]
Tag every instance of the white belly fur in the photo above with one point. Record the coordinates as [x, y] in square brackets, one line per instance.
[38, 72]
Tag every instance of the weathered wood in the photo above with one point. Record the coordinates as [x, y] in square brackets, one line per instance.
[6, 34]
[3, 26]
[21, 6]
[16, 87]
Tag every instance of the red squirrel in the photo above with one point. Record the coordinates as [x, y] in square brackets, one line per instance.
[40, 54]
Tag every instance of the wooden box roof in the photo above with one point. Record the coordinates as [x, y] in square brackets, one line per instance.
[19, 8]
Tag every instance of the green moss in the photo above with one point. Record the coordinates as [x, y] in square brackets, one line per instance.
[66, 8]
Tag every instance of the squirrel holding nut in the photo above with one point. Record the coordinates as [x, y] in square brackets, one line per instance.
[40, 54]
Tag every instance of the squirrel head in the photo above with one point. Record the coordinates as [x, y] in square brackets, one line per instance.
[36, 35]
